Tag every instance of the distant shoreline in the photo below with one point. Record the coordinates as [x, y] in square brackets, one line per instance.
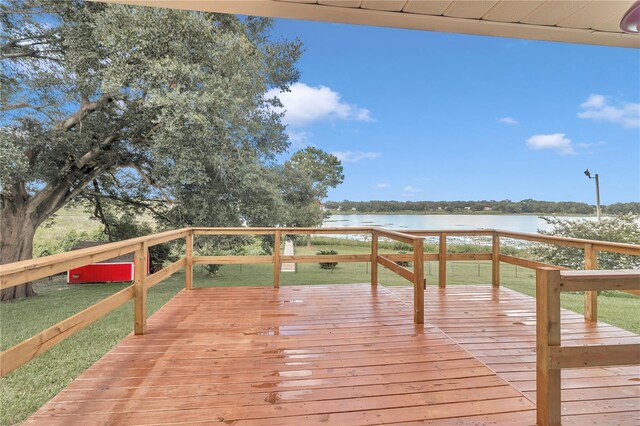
[456, 213]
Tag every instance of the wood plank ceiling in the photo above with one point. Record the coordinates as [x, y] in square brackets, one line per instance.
[572, 21]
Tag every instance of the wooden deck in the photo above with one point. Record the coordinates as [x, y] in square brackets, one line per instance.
[343, 355]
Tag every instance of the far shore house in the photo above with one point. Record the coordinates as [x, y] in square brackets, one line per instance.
[118, 269]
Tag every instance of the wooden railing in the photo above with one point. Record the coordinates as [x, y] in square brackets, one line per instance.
[552, 357]
[416, 276]
[21, 272]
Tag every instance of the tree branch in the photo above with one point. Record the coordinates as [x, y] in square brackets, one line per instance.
[152, 183]
[86, 108]
[17, 106]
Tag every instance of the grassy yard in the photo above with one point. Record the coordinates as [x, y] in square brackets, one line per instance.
[29, 387]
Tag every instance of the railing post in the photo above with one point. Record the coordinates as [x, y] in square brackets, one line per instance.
[547, 335]
[442, 261]
[188, 264]
[276, 258]
[418, 281]
[495, 260]
[140, 291]
[590, 297]
[374, 259]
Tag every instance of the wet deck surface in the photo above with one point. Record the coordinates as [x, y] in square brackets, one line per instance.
[341, 355]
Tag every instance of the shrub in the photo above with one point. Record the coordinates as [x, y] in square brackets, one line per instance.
[328, 265]
[404, 263]
[621, 229]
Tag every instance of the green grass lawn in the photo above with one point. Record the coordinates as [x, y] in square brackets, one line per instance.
[29, 387]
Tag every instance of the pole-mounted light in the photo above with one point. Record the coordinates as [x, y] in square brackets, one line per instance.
[587, 173]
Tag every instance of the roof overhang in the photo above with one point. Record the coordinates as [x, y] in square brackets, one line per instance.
[570, 21]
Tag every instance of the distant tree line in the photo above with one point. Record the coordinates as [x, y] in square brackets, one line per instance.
[503, 206]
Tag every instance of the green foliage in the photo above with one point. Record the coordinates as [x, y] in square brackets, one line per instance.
[328, 265]
[66, 243]
[306, 178]
[487, 206]
[621, 229]
[623, 208]
[404, 263]
[151, 111]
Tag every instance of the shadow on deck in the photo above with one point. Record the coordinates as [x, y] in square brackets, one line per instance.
[342, 355]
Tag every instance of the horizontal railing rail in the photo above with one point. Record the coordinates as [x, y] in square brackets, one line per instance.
[552, 357]
[29, 270]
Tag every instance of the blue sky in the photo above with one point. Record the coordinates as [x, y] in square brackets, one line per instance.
[419, 115]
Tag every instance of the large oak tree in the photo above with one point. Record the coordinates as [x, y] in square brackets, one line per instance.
[150, 108]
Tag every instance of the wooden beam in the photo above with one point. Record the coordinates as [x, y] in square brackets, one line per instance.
[495, 260]
[25, 351]
[397, 236]
[468, 256]
[164, 273]
[277, 263]
[408, 257]
[316, 258]
[620, 282]
[140, 301]
[17, 273]
[442, 261]
[374, 259]
[547, 337]
[418, 281]
[451, 232]
[233, 231]
[526, 263]
[233, 260]
[594, 356]
[188, 272]
[394, 267]
[633, 249]
[590, 297]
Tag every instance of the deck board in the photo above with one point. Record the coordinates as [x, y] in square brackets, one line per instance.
[502, 336]
[343, 355]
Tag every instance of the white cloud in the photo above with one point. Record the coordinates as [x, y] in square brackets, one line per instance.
[594, 101]
[382, 185]
[590, 144]
[509, 120]
[299, 140]
[355, 156]
[557, 142]
[597, 107]
[305, 104]
[411, 190]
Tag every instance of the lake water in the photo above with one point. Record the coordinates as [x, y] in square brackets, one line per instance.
[515, 223]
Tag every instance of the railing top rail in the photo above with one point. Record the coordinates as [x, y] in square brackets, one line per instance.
[631, 274]
[397, 235]
[449, 232]
[125, 246]
[284, 230]
[633, 249]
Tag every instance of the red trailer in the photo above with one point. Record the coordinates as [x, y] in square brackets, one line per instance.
[117, 269]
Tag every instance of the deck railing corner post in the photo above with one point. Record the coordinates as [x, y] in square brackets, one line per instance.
[495, 260]
[188, 267]
[419, 282]
[590, 297]
[141, 262]
[442, 261]
[277, 264]
[547, 336]
[374, 258]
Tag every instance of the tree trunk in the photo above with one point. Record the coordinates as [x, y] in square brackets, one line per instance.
[16, 243]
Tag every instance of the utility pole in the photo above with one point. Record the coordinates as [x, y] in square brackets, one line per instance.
[588, 174]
